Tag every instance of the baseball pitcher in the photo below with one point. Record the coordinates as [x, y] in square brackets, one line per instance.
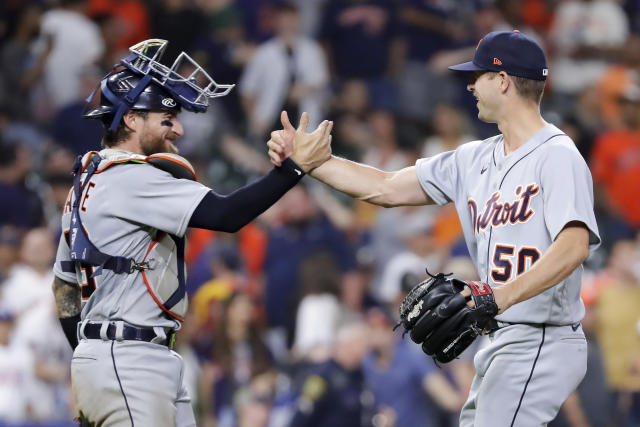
[525, 202]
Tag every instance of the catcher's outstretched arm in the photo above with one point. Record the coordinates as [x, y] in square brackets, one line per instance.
[363, 182]
[565, 254]
[229, 213]
[68, 305]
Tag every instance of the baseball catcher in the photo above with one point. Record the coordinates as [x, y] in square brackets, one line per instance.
[120, 274]
[445, 315]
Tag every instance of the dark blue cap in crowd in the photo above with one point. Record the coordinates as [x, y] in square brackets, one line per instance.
[508, 51]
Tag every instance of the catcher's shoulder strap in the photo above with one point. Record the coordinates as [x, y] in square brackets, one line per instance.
[81, 248]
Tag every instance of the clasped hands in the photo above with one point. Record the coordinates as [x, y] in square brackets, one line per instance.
[308, 150]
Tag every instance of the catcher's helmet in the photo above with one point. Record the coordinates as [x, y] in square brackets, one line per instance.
[143, 83]
[116, 86]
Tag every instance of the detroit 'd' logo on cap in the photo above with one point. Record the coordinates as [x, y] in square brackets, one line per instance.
[169, 102]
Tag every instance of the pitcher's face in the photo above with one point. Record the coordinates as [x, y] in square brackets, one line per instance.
[484, 86]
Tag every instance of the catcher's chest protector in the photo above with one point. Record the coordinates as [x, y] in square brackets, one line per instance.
[162, 267]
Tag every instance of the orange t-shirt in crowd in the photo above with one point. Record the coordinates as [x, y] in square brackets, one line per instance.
[615, 164]
[612, 85]
[132, 16]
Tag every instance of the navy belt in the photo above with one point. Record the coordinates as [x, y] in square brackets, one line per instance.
[129, 333]
[499, 324]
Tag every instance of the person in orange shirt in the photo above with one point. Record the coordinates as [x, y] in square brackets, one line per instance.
[615, 163]
[616, 80]
[132, 16]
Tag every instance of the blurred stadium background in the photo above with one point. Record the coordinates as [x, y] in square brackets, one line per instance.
[318, 277]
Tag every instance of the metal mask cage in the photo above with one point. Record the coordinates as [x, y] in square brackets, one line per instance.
[185, 78]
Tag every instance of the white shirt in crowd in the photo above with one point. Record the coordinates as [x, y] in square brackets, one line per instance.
[77, 45]
[25, 288]
[269, 74]
[16, 371]
[38, 331]
[317, 321]
[594, 23]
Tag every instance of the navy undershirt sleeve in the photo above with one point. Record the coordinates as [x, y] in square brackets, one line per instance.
[229, 213]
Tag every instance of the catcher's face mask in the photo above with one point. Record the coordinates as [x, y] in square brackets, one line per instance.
[185, 80]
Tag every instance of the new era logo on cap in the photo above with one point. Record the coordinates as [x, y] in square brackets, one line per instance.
[508, 51]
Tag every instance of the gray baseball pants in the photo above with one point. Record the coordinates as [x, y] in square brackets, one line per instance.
[130, 383]
[524, 375]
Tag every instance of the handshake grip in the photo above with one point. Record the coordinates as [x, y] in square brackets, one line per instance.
[308, 150]
[437, 316]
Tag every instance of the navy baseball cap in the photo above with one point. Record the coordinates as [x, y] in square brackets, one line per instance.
[508, 51]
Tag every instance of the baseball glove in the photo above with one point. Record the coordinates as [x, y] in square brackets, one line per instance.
[437, 316]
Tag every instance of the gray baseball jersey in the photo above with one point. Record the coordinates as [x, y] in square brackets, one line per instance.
[122, 208]
[512, 208]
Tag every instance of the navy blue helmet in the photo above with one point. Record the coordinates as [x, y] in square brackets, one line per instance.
[141, 82]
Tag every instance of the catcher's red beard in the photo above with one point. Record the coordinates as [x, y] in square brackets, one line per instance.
[160, 144]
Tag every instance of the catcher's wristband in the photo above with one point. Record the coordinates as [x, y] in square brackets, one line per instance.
[292, 167]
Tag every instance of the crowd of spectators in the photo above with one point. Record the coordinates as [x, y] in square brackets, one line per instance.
[291, 318]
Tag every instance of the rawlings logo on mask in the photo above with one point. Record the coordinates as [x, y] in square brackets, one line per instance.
[169, 102]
